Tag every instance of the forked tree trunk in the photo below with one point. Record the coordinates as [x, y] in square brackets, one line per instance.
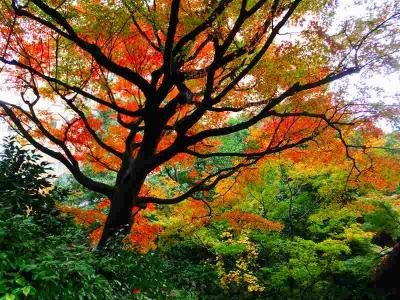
[130, 180]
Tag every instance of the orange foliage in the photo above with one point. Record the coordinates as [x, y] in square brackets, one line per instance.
[142, 236]
[242, 220]
[284, 64]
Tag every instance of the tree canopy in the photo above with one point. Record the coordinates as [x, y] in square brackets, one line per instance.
[158, 89]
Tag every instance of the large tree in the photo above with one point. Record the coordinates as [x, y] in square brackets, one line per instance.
[135, 86]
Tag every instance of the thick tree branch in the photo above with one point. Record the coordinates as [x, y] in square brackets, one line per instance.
[265, 112]
[258, 154]
[201, 185]
[191, 36]
[91, 48]
[75, 171]
[169, 42]
[72, 88]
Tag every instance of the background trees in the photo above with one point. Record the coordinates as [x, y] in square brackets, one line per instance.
[142, 86]
[289, 231]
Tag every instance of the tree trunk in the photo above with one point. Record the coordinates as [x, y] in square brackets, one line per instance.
[119, 220]
[129, 182]
[388, 273]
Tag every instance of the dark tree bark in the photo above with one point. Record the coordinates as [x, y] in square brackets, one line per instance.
[387, 275]
[119, 220]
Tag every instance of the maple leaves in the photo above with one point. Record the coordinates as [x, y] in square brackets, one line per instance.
[148, 87]
[142, 236]
[240, 220]
[282, 221]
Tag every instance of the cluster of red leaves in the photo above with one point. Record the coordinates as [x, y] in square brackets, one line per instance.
[242, 220]
[79, 136]
[193, 213]
[197, 214]
[143, 234]
[85, 217]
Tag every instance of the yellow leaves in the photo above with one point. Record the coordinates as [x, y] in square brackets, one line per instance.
[226, 234]
[355, 232]
[47, 92]
[252, 283]
[224, 187]
[185, 220]
[28, 210]
[242, 274]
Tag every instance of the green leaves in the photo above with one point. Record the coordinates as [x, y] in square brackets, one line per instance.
[384, 219]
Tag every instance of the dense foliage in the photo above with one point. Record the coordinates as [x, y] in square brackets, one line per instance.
[143, 89]
[297, 236]
[212, 147]
[44, 255]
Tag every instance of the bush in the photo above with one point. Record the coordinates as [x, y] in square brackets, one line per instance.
[44, 255]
